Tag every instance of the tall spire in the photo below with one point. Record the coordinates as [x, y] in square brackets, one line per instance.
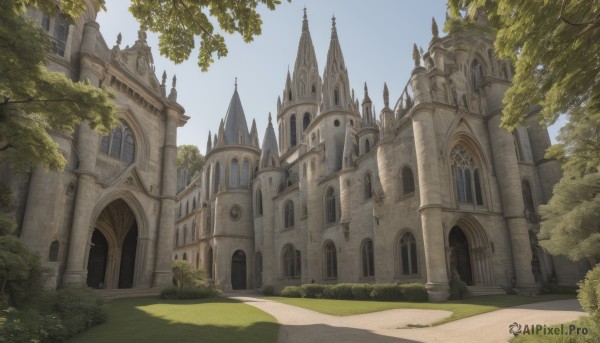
[235, 126]
[336, 90]
[270, 153]
[305, 82]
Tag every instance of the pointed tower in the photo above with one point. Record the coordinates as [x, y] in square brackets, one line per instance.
[269, 157]
[368, 134]
[386, 117]
[336, 90]
[301, 95]
[254, 135]
[235, 129]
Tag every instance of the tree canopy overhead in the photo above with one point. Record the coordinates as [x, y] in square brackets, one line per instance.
[189, 156]
[554, 46]
[34, 101]
[180, 22]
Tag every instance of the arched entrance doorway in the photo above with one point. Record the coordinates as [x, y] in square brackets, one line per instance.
[97, 260]
[238, 270]
[112, 256]
[460, 259]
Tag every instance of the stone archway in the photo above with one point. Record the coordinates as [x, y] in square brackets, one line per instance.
[112, 256]
[238, 270]
[469, 253]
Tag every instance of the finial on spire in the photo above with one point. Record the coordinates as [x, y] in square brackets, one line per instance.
[174, 85]
[270, 118]
[119, 37]
[235, 83]
[416, 56]
[366, 91]
[434, 28]
[305, 21]
[333, 29]
[386, 95]
[164, 78]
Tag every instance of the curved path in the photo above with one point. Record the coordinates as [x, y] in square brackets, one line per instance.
[302, 325]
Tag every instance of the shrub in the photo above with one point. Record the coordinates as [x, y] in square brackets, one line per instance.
[386, 292]
[171, 293]
[458, 288]
[291, 292]
[268, 290]
[312, 290]
[187, 277]
[415, 292]
[362, 291]
[338, 291]
[589, 294]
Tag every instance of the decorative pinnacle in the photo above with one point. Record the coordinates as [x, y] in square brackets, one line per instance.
[305, 21]
[366, 91]
[386, 95]
[164, 78]
[416, 56]
[235, 83]
[174, 81]
[434, 28]
[269, 117]
[333, 29]
[119, 37]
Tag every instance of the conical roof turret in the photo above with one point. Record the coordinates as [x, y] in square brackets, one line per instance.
[235, 128]
[270, 151]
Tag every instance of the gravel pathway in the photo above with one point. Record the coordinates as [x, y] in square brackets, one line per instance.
[302, 325]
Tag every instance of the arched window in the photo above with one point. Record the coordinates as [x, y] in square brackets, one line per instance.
[291, 262]
[476, 74]
[336, 97]
[408, 254]
[194, 204]
[330, 208]
[467, 178]
[368, 188]
[184, 257]
[305, 121]
[245, 174]
[120, 144]
[233, 174]
[330, 261]
[53, 253]
[368, 261]
[408, 181]
[259, 202]
[367, 146]
[217, 178]
[185, 235]
[293, 130]
[289, 214]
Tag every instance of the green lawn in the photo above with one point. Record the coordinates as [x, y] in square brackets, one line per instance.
[459, 308]
[208, 320]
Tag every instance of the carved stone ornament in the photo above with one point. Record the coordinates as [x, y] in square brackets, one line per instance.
[235, 212]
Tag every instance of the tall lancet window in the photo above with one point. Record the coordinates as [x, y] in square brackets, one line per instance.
[233, 176]
[217, 178]
[466, 176]
[476, 74]
[245, 174]
[305, 121]
[293, 130]
[336, 97]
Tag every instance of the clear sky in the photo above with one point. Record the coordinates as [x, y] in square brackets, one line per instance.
[376, 39]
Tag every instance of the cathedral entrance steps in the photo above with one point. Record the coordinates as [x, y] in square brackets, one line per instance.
[121, 293]
[478, 290]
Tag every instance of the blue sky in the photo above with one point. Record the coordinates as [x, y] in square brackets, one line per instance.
[376, 39]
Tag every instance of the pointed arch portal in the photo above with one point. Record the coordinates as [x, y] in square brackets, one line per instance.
[469, 253]
[113, 250]
[238, 270]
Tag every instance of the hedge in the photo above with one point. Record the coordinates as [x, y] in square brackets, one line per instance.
[187, 293]
[413, 292]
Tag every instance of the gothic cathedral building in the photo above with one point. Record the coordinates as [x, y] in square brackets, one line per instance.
[430, 188]
[107, 220]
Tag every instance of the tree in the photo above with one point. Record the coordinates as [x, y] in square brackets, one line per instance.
[571, 219]
[553, 45]
[188, 156]
[186, 277]
[180, 22]
[33, 100]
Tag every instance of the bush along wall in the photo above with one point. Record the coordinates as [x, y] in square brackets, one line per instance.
[413, 292]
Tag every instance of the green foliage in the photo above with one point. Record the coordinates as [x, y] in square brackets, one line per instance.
[34, 100]
[20, 271]
[361, 291]
[556, 289]
[268, 290]
[458, 288]
[589, 294]
[180, 23]
[189, 156]
[57, 316]
[338, 291]
[291, 292]
[414, 292]
[187, 293]
[187, 277]
[386, 292]
[553, 45]
[312, 290]
[570, 219]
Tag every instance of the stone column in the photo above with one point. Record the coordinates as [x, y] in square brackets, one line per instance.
[164, 244]
[87, 149]
[513, 208]
[429, 187]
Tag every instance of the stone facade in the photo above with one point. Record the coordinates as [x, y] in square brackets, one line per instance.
[108, 219]
[430, 188]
